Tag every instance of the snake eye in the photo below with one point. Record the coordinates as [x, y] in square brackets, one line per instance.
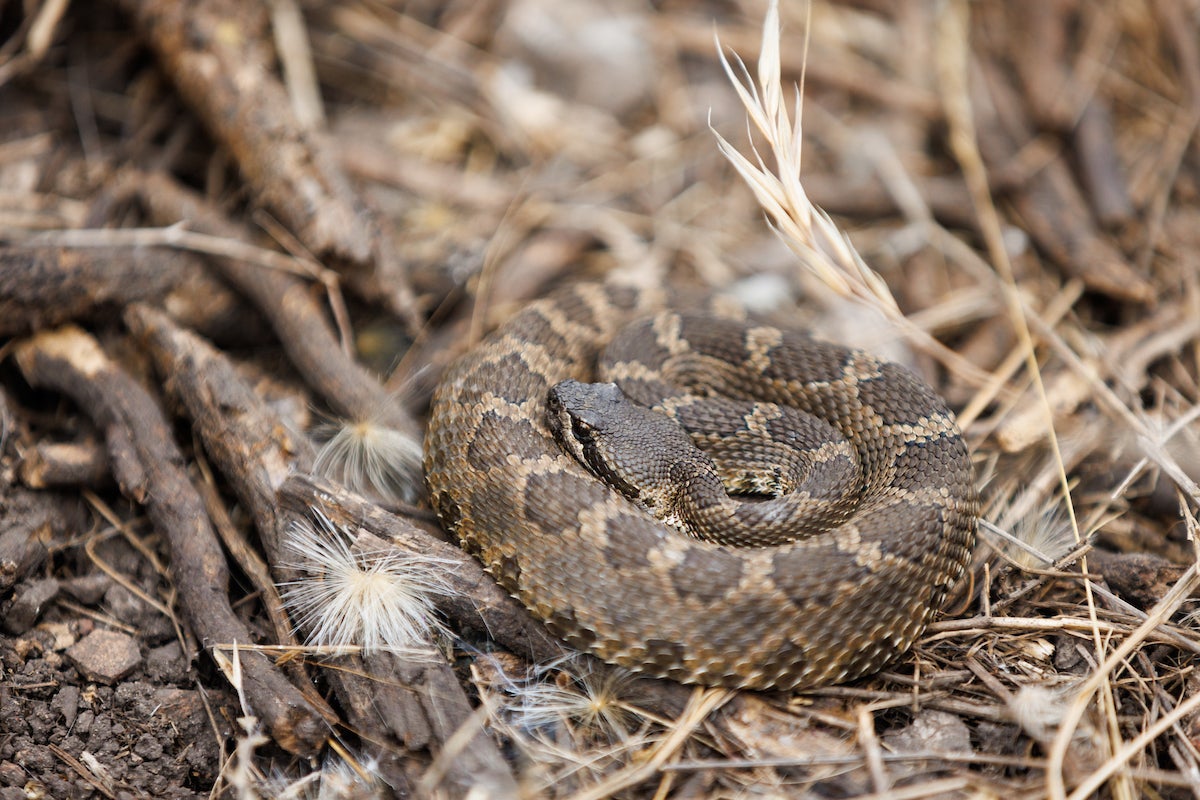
[581, 430]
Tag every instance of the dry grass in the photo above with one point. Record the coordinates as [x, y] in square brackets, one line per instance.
[1078, 717]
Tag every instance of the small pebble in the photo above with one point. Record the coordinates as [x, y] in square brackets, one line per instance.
[28, 601]
[11, 774]
[87, 589]
[105, 656]
[68, 704]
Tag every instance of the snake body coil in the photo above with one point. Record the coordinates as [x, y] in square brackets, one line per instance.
[611, 579]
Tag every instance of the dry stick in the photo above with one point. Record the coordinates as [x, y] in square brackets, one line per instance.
[872, 752]
[298, 322]
[47, 464]
[295, 55]
[964, 142]
[85, 773]
[149, 469]
[946, 628]
[1049, 203]
[1039, 61]
[48, 285]
[419, 703]
[1172, 634]
[175, 234]
[253, 451]
[1096, 142]
[666, 781]
[256, 570]
[1062, 563]
[1180, 33]
[943, 787]
[1162, 611]
[124, 528]
[1024, 762]
[229, 82]
[476, 769]
[702, 703]
[475, 602]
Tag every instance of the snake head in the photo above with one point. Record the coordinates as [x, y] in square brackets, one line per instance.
[581, 416]
[590, 408]
[631, 448]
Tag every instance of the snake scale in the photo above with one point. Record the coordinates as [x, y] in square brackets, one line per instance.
[610, 578]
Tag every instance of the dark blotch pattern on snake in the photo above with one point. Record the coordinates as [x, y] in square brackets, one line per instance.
[610, 578]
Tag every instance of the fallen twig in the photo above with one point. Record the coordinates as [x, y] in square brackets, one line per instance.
[149, 469]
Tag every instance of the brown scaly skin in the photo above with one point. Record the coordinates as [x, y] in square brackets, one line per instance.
[612, 580]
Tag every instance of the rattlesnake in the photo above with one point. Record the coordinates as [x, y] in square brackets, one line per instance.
[610, 578]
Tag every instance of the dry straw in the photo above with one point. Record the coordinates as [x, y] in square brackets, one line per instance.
[828, 255]
[807, 230]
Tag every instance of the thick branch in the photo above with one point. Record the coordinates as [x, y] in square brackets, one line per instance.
[230, 83]
[149, 468]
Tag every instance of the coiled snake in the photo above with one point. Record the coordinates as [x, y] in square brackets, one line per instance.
[848, 595]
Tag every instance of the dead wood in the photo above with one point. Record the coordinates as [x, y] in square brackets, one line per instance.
[49, 464]
[254, 450]
[149, 469]
[1049, 203]
[289, 305]
[45, 286]
[230, 83]
[1100, 164]
[422, 705]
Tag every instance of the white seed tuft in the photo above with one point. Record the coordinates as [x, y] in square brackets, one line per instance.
[567, 692]
[1046, 537]
[372, 459]
[1038, 709]
[376, 600]
[337, 779]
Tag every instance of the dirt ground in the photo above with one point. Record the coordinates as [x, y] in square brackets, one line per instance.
[240, 242]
